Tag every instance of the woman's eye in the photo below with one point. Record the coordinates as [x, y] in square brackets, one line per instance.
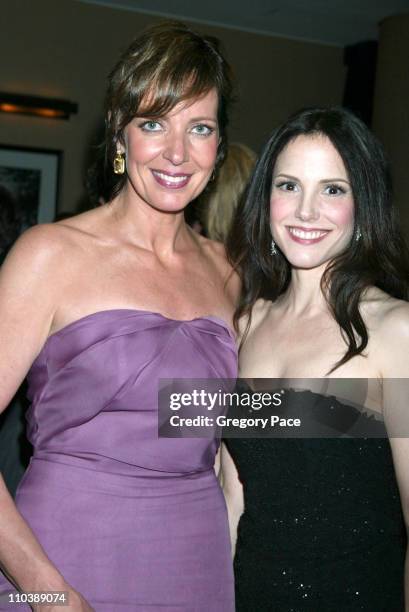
[202, 130]
[334, 190]
[151, 126]
[287, 186]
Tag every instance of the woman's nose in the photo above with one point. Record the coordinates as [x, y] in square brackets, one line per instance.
[176, 149]
[307, 209]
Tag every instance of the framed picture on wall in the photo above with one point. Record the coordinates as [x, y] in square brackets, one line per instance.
[29, 182]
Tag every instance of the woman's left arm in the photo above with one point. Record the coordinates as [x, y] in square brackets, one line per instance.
[400, 452]
[394, 348]
[233, 493]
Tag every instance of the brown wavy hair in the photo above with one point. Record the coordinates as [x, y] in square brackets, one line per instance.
[380, 258]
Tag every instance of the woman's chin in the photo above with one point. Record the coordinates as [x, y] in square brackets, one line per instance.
[306, 262]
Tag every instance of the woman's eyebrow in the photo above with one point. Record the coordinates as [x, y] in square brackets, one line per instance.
[284, 175]
[326, 180]
[333, 180]
[194, 119]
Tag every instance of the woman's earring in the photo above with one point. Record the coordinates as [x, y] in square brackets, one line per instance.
[273, 249]
[358, 234]
[119, 163]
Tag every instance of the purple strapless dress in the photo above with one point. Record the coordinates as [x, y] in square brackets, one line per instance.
[132, 521]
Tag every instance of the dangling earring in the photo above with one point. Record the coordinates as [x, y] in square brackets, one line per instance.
[273, 249]
[358, 234]
[119, 163]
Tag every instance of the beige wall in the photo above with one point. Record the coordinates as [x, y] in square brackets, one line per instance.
[65, 49]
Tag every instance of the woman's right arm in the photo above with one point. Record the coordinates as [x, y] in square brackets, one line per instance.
[233, 493]
[392, 353]
[29, 289]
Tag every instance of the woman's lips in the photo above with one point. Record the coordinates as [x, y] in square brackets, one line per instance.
[171, 181]
[307, 236]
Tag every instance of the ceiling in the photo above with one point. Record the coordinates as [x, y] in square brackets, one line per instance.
[334, 22]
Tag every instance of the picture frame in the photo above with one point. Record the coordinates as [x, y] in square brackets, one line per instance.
[29, 178]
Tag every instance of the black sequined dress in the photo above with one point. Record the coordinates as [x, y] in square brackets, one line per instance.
[322, 529]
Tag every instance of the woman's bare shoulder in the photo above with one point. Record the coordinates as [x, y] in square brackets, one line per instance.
[38, 245]
[45, 253]
[387, 319]
[258, 315]
[32, 281]
[260, 311]
[215, 249]
[55, 237]
[91, 222]
[384, 312]
[217, 252]
[395, 319]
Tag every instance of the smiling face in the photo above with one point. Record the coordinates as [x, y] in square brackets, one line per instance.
[311, 206]
[169, 160]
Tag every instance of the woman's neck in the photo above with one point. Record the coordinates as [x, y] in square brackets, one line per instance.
[138, 222]
[304, 296]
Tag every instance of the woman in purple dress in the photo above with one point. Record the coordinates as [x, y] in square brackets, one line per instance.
[96, 309]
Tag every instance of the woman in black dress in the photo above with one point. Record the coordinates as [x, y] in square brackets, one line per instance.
[325, 289]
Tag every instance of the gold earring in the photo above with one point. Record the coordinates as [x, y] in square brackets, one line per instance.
[119, 163]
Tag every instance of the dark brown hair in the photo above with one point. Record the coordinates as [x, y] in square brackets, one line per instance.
[379, 258]
[168, 63]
